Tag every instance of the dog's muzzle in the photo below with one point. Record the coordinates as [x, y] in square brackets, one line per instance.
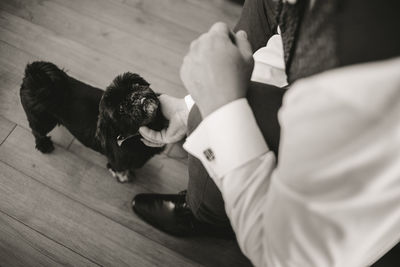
[149, 105]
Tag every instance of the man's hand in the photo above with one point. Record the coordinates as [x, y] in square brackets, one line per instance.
[216, 71]
[174, 110]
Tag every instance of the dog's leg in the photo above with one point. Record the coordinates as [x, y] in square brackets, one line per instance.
[111, 170]
[124, 176]
[43, 142]
[41, 126]
[121, 176]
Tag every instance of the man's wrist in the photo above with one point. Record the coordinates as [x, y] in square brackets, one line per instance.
[227, 138]
[209, 108]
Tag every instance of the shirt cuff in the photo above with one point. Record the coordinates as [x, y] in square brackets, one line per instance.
[189, 102]
[269, 64]
[227, 138]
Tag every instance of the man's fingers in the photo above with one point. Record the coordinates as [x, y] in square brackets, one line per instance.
[151, 135]
[184, 70]
[241, 34]
[193, 44]
[150, 144]
[165, 136]
[174, 133]
[243, 44]
[220, 27]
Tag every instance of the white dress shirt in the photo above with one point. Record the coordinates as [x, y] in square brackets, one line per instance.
[269, 63]
[333, 199]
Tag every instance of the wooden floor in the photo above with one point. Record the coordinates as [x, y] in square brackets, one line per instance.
[65, 208]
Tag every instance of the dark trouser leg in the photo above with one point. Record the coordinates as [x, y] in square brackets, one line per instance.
[203, 196]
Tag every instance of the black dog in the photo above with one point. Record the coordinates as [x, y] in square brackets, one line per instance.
[107, 122]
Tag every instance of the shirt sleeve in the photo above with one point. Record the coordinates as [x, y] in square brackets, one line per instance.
[215, 148]
[189, 102]
[333, 198]
[269, 65]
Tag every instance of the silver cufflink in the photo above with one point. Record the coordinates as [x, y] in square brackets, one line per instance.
[209, 154]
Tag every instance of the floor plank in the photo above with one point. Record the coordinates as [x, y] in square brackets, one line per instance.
[99, 36]
[223, 7]
[6, 127]
[94, 187]
[76, 226]
[23, 246]
[83, 63]
[11, 79]
[188, 13]
[132, 20]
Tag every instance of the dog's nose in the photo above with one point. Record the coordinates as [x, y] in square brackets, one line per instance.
[149, 106]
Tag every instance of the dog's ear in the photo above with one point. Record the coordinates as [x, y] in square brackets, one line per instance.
[105, 126]
[127, 79]
[136, 78]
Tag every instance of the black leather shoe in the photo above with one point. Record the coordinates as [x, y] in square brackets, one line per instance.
[171, 214]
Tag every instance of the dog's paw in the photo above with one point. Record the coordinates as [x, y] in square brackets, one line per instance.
[123, 176]
[44, 145]
[113, 173]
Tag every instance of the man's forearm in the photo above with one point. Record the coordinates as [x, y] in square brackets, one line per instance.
[337, 182]
[245, 192]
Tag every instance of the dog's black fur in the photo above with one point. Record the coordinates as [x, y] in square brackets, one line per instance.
[96, 118]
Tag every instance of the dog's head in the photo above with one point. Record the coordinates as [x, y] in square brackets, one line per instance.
[127, 104]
